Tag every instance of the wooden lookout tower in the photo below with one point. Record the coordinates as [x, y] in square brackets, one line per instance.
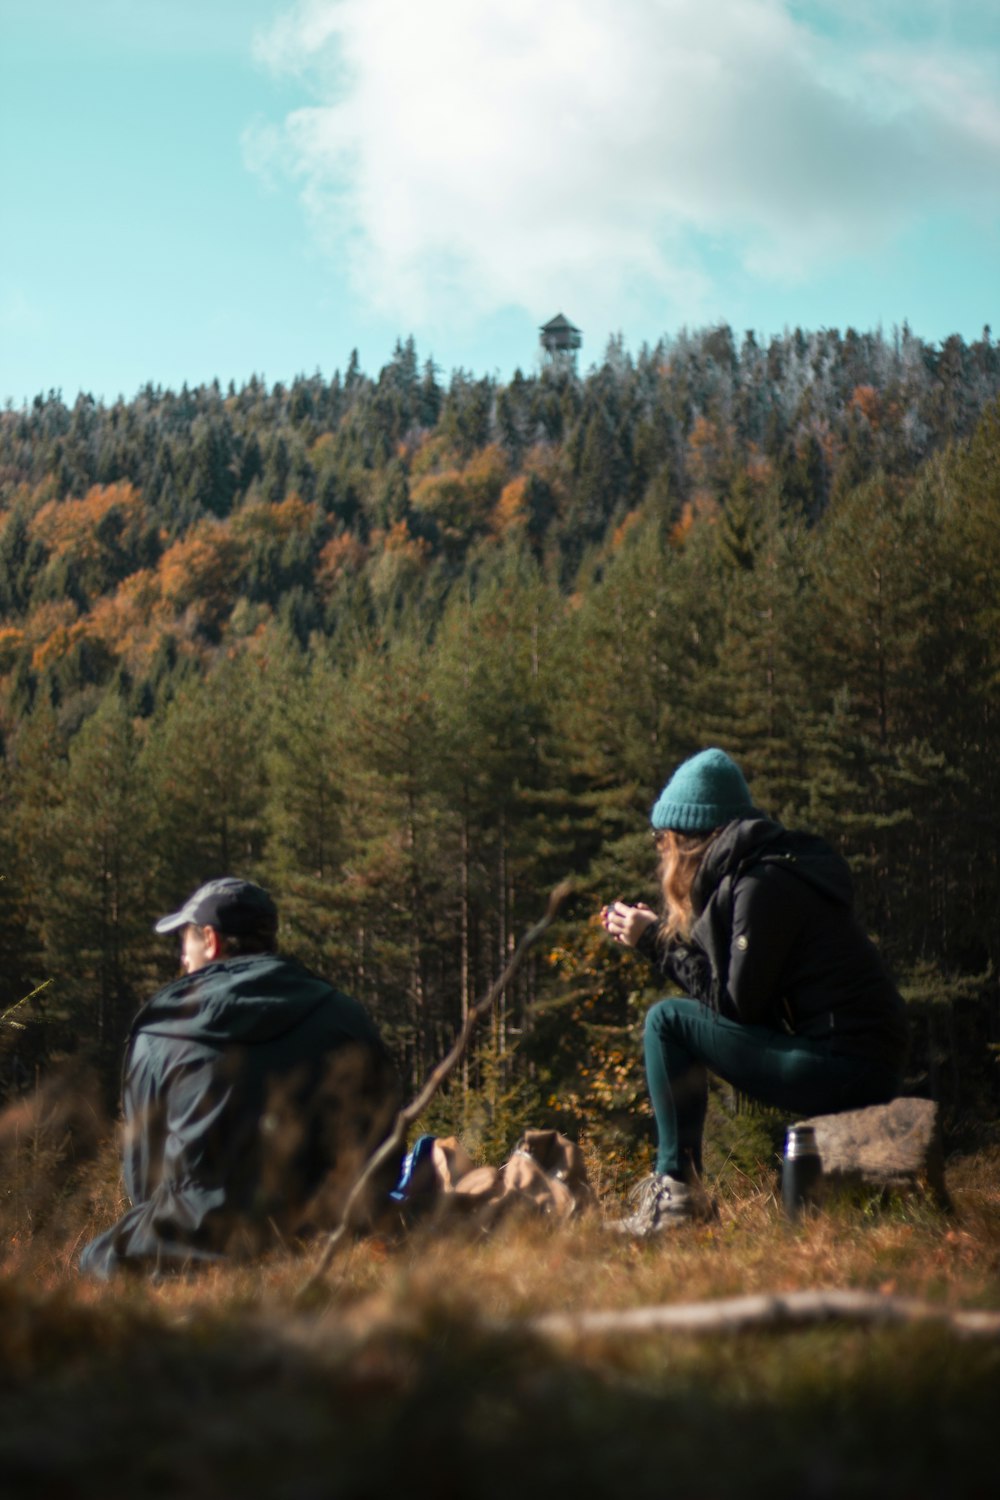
[560, 340]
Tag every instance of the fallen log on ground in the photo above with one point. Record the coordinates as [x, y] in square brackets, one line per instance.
[767, 1310]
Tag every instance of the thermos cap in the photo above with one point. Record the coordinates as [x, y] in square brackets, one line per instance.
[800, 1141]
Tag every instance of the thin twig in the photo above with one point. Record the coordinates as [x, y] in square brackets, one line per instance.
[352, 1218]
[5, 1018]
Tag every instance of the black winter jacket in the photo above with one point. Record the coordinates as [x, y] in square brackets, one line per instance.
[249, 1086]
[775, 943]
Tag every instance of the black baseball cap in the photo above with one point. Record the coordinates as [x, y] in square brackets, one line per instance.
[236, 908]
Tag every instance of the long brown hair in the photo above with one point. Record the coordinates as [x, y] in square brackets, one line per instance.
[681, 855]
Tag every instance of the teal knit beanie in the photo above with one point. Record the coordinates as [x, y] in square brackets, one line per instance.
[705, 792]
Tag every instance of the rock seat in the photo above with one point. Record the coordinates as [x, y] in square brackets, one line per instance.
[895, 1147]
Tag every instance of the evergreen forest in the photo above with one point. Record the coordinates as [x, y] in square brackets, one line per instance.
[409, 651]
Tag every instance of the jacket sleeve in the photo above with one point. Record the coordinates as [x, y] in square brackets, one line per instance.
[143, 1122]
[684, 964]
[175, 1095]
[766, 918]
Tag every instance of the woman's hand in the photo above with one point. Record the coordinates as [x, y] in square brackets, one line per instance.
[626, 924]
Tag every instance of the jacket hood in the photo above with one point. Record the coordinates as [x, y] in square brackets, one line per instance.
[254, 998]
[760, 840]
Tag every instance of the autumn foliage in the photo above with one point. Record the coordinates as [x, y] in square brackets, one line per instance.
[412, 652]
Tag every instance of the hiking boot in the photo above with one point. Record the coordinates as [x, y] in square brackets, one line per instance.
[661, 1203]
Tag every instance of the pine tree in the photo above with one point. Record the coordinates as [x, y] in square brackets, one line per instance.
[93, 883]
[305, 811]
[397, 863]
[750, 697]
[493, 678]
[205, 757]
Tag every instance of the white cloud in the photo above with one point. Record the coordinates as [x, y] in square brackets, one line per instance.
[464, 155]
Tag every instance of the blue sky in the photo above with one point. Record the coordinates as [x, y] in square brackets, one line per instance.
[215, 188]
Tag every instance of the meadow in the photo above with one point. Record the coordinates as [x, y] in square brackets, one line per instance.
[418, 1365]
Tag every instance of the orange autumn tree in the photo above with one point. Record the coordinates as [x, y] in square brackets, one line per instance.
[340, 557]
[51, 630]
[461, 499]
[131, 622]
[200, 574]
[259, 521]
[99, 539]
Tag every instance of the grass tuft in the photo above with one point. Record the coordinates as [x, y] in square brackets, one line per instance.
[412, 1367]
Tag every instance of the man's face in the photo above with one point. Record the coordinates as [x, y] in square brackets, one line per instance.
[195, 945]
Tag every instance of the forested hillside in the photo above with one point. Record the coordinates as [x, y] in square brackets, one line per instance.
[410, 652]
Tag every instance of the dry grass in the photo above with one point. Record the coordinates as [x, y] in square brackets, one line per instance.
[412, 1370]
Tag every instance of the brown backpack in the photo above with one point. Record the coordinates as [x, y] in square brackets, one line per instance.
[545, 1174]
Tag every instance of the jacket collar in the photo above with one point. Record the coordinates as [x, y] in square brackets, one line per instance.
[737, 843]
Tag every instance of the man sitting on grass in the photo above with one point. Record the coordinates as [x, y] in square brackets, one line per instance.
[253, 1094]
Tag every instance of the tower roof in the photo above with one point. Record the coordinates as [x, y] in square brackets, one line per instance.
[559, 324]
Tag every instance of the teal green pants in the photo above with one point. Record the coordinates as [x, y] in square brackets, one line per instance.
[685, 1040]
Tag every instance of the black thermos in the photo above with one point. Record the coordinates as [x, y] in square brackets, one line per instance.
[801, 1170]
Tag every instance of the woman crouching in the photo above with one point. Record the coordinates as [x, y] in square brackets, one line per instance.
[789, 1000]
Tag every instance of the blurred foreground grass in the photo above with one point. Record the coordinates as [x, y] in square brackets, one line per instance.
[412, 1371]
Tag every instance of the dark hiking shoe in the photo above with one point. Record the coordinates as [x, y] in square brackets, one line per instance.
[660, 1203]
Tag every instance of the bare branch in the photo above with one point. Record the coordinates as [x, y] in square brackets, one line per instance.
[6, 1019]
[352, 1217]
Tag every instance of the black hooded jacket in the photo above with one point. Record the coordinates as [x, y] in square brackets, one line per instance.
[775, 943]
[250, 1088]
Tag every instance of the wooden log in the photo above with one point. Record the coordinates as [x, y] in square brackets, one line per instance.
[768, 1310]
[894, 1147]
